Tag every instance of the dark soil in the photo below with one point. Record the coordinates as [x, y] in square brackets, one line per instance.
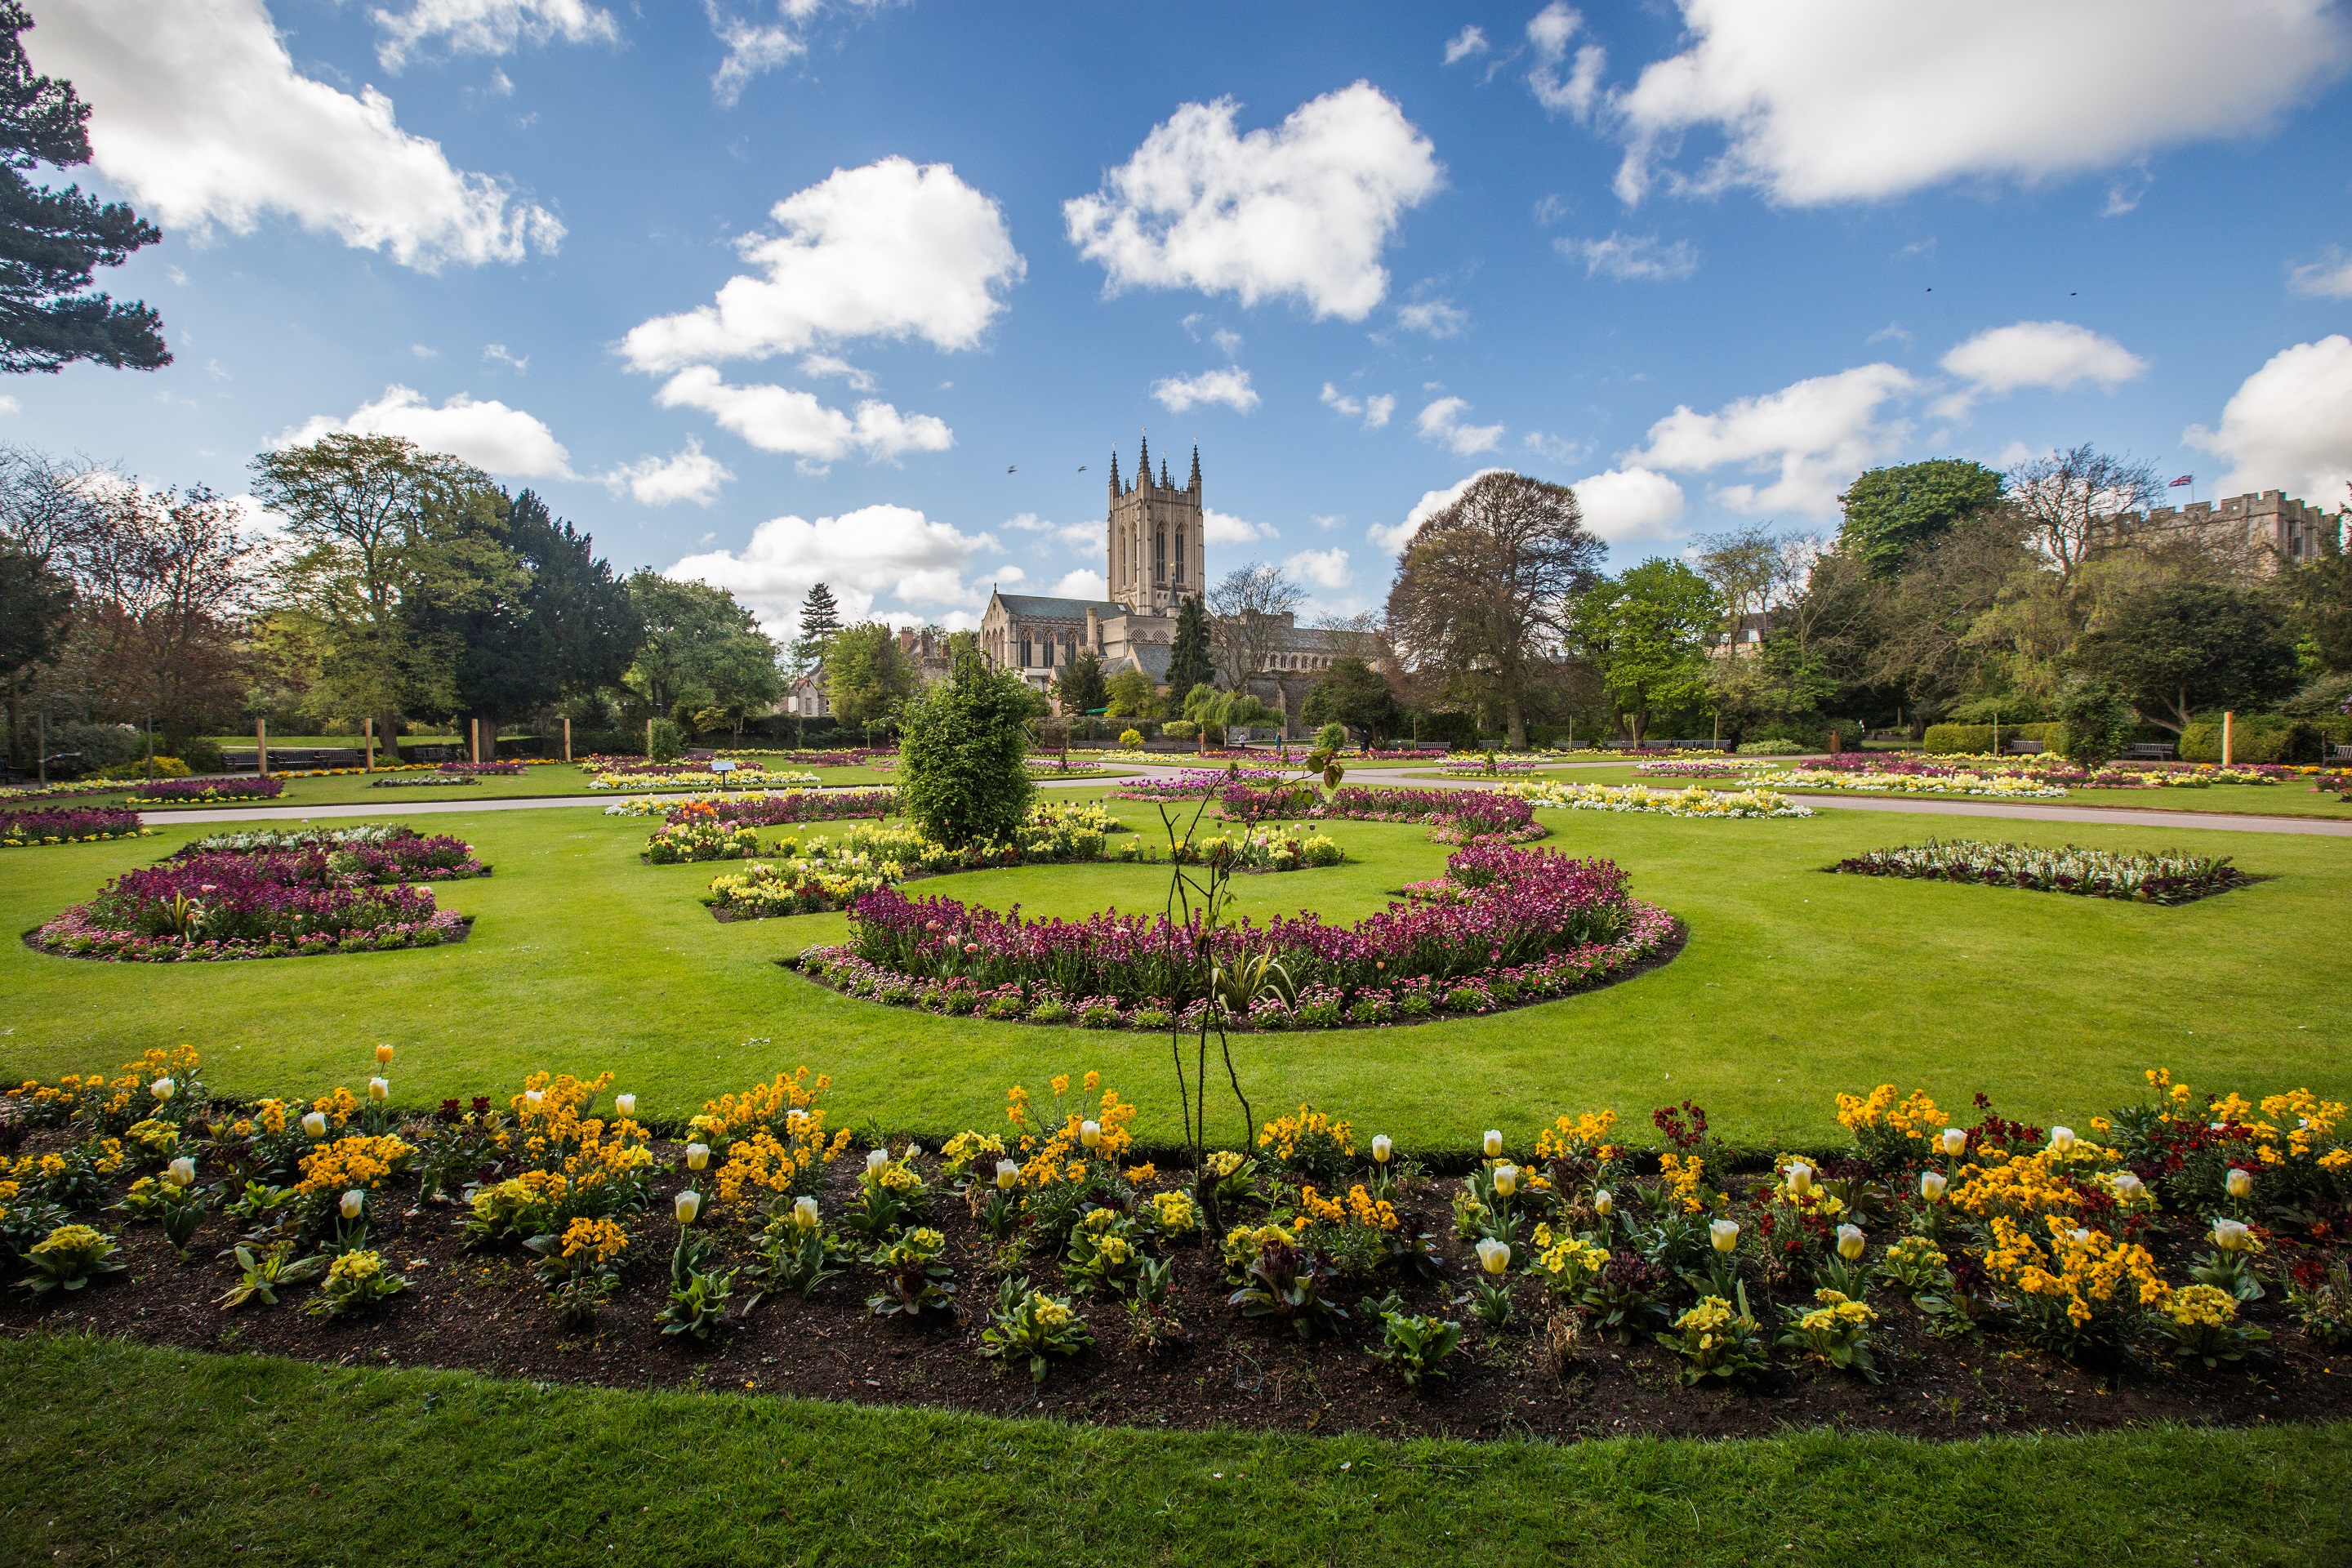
[483, 1310]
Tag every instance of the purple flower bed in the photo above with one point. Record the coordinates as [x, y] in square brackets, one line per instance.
[1466, 812]
[1195, 781]
[68, 825]
[183, 792]
[225, 906]
[1524, 925]
[798, 806]
[407, 857]
[478, 770]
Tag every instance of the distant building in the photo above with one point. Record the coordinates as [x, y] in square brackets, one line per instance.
[806, 697]
[1748, 638]
[2274, 530]
[928, 652]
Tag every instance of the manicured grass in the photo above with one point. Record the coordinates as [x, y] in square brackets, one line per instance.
[1794, 985]
[169, 1457]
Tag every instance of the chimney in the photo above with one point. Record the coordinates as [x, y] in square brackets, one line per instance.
[1094, 630]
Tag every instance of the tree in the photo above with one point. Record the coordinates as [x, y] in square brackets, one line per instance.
[2173, 650]
[2321, 593]
[867, 674]
[1190, 659]
[2073, 504]
[1080, 686]
[1482, 594]
[1249, 610]
[1920, 643]
[702, 653]
[1131, 695]
[163, 579]
[962, 775]
[2097, 724]
[1352, 693]
[51, 241]
[820, 619]
[1890, 513]
[1645, 635]
[1748, 568]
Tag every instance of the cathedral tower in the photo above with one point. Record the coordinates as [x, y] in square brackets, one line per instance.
[1155, 555]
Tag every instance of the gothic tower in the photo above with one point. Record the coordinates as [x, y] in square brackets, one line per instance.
[1155, 555]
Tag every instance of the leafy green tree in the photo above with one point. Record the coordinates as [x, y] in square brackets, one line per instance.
[1890, 512]
[1080, 686]
[1131, 695]
[2174, 648]
[867, 674]
[2321, 593]
[1645, 634]
[51, 241]
[2097, 724]
[701, 651]
[962, 775]
[1352, 693]
[1191, 661]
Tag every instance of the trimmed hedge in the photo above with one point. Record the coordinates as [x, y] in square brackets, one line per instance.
[1945, 740]
[2256, 737]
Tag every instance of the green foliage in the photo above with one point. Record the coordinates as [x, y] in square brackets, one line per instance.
[1031, 1323]
[962, 778]
[1415, 1347]
[1080, 686]
[262, 1274]
[1352, 693]
[1771, 748]
[2096, 724]
[1131, 695]
[1645, 635]
[1191, 662]
[559, 626]
[1891, 512]
[698, 1301]
[36, 607]
[2176, 648]
[1976, 739]
[663, 742]
[867, 674]
[1717, 1339]
[820, 619]
[700, 650]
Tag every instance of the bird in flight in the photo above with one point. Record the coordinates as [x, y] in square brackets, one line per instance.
[1009, 468]
[1082, 468]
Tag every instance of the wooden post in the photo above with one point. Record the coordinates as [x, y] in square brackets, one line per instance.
[567, 737]
[2226, 718]
[261, 747]
[367, 730]
[649, 740]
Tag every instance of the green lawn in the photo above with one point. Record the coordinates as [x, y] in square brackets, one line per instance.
[1794, 985]
[170, 1457]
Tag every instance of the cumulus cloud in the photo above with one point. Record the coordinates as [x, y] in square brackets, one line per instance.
[1440, 318]
[2329, 277]
[1827, 101]
[487, 434]
[865, 555]
[1230, 386]
[888, 251]
[1622, 505]
[1575, 93]
[829, 364]
[487, 27]
[200, 117]
[1224, 528]
[1324, 568]
[2059, 355]
[689, 474]
[1442, 422]
[1302, 211]
[1374, 410]
[1076, 536]
[1631, 257]
[786, 419]
[2289, 425]
[1083, 583]
[1813, 435]
[1396, 536]
[1470, 40]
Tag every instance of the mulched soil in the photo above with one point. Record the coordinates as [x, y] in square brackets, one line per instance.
[485, 1311]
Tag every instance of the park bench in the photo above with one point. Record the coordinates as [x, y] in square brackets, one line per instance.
[2147, 752]
[2022, 748]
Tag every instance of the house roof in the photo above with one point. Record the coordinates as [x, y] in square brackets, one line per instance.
[1038, 607]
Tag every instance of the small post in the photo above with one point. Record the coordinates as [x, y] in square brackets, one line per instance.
[567, 737]
[41, 732]
[261, 747]
[2227, 716]
[151, 745]
[367, 730]
[474, 738]
[649, 740]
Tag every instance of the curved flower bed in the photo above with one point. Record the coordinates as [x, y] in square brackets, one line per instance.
[381, 853]
[271, 904]
[68, 825]
[762, 810]
[477, 770]
[2000, 787]
[427, 780]
[2171, 878]
[819, 875]
[1453, 816]
[1196, 782]
[1692, 802]
[206, 791]
[1517, 926]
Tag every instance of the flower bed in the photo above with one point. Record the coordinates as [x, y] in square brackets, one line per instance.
[1692, 802]
[480, 769]
[378, 852]
[1999, 786]
[748, 777]
[206, 791]
[269, 903]
[1526, 926]
[1194, 783]
[424, 781]
[1681, 769]
[1258, 852]
[68, 825]
[2170, 878]
[763, 810]
[820, 875]
[62, 789]
[1453, 816]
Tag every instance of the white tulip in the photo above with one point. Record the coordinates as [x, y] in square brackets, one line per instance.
[1931, 1186]
[180, 1171]
[805, 1215]
[378, 1089]
[1725, 1234]
[877, 1158]
[914, 1151]
[1090, 1133]
[162, 1088]
[355, 1201]
[698, 1156]
[2062, 1140]
[1382, 1148]
[2079, 1236]
[1800, 1180]
[1494, 1256]
[2230, 1234]
[1506, 1181]
[2240, 1183]
[626, 1104]
[1850, 1243]
[1494, 1143]
[1007, 1175]
[315, 1124]
[532, 1096]
[1954, 1142]
[1603, 1204]
[686, 1206]
[2128, 1186]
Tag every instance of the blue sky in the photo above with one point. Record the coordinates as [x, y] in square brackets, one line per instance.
[1705, 261]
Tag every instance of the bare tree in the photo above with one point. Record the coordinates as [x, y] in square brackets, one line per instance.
[1248, 612]
[1748, 568]
[2074, 503]
[1482, 594]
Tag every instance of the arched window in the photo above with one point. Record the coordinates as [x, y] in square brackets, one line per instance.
[1160, 556]
[1179, 555]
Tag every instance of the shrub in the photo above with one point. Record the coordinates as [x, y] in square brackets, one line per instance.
[1771, 748]
[1180, 730]
[143, 768]
[1131, 739]
[201, 755]
[962, 769]
[2098, 725]
[663, 744]
[1976, 739]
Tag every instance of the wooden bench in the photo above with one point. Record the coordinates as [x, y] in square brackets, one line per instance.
[2147, 752]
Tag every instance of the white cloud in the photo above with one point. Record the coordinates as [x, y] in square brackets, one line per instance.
[1549, 32]
[828, 365]
[1324, 568]
[1553, 448]
[1397, 536]
[1442, 422]
[1008, 573]
[2289, 425]
[1438, 317]
[2329, 277]
[487, 434]
[687, 475]
[9, 405]
[873, 553]
[888, 251]
[1075, 535]
[495, 354]
[786, 419]
[1470, 40]
[2059, 355]
[1631, 503]
[1299, 212]
[1230, 386]
[201, 118]
[1815, 434]
[487, 27]
[1631, 257]
[1375, 410]
[1825, 101]
[1083, 583]
[751, 49]
[1224, 528]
